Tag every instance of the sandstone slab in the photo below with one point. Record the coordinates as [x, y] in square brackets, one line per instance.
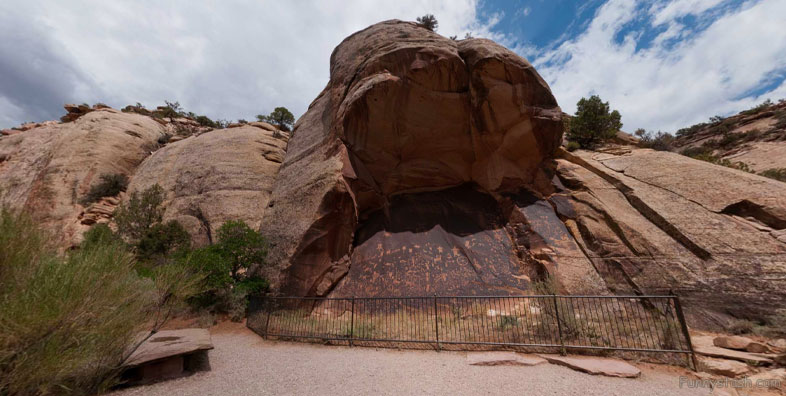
[596, 365]
[703, 345]
[503, 359]
[727, 368]
[169, 343]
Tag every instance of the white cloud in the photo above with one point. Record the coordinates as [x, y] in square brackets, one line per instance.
[671, 84]
[229, 59]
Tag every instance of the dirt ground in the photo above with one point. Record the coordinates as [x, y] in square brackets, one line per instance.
[245, 364]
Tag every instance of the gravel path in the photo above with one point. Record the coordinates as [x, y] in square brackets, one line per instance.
[245, 364]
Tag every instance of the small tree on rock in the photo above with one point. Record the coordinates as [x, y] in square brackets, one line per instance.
[428, 21]
[593, 122]
[281, 117]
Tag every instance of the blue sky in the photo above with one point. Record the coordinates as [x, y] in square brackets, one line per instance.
[664, 64]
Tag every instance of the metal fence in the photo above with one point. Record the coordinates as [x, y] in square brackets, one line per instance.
[619, 323]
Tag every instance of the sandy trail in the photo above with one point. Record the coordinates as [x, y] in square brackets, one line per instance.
[245, 364]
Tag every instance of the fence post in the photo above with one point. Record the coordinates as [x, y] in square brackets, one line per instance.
[352, 323]
[685, 332]
[267, 320]
[436, 321]
[559, 326]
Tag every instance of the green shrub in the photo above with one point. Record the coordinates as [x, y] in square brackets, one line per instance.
[109, 186]
[661, 141]
[142, 211]
[741, 326]
[162, 239]
[775, 173]
[281, 117]
[429, 22]
[68, 322]
[98, 235]
[573, 146]
[225, 266]
[593, 122]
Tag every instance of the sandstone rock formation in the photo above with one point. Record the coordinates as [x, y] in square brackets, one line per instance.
[222, 175]
[48, 169]
[404, 173]
[658, 222]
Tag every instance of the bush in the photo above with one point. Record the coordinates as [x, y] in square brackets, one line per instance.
[163, 239]
[225, 266]
[661, 141]
[281, 117]
[593, 123]
[775, 173]
[142, 211]
[109, 186]
[573, 146]
[68, 322]
[99, 235]
[429, 22]
[740, 326]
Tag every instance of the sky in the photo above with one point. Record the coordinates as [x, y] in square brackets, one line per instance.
[664, 64]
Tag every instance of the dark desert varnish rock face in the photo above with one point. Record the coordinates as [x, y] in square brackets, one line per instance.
[393, 181]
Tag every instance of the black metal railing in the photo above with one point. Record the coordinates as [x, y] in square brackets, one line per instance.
[619, 323]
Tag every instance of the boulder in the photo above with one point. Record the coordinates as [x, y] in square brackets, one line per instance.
[168, 354]
[740, 343]
[217, 176]
[399, 167]
[703, 345]
[47, 170]
[726, 368]
[596, 365]
[503, 359]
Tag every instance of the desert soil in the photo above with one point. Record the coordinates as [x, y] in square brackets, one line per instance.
[245, 364]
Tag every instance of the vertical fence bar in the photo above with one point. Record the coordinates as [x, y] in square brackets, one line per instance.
[436, 321]
[267, 320]
[352, 323]
[684, 326]
[559, 325]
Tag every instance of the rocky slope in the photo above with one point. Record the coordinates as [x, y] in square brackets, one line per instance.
[755, 137]
[209, 176]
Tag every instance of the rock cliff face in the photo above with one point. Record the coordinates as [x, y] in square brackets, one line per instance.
[656, 222]
[226, 174]
[404, 173]
[209, 177]
[48, 169]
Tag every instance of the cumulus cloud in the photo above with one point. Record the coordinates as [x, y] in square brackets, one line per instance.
[228, 59]
[733, 62]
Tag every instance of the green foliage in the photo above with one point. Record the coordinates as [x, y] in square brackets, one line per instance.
[281, 117]
[66, 323]
[109, 186]
[593, 122]
[242, 246]
[775, 173]
[162, 239]
[225, 266]
[142, 211]
[573, 146]
[740, 326]
[661, 141]
[428, 21]
[758, 108]
[706, 154]
[99, 235]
